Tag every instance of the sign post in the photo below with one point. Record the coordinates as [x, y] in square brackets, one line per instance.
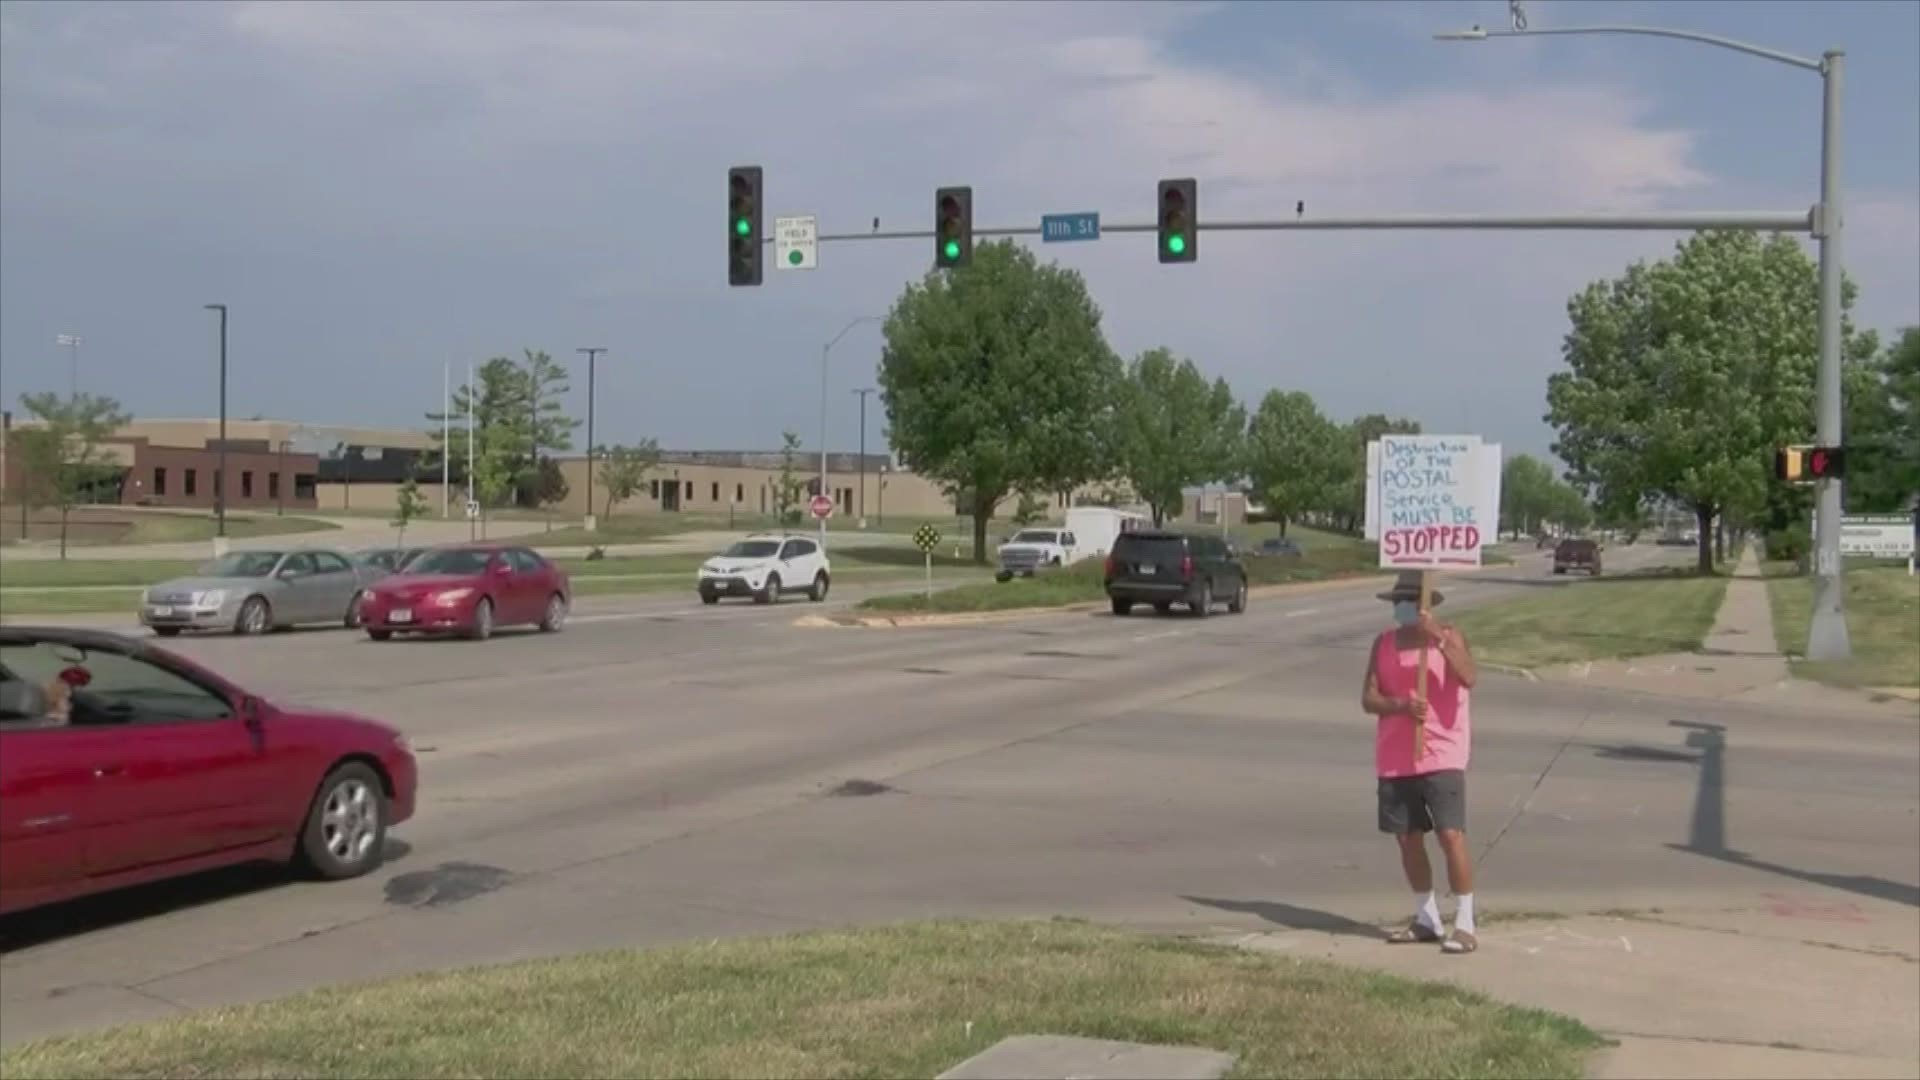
[926, 538]
[1425, 504]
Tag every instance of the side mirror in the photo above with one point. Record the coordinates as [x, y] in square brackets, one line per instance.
[251, 710]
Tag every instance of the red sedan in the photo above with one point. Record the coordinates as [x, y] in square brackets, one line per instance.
[122, 764]
[468, 590]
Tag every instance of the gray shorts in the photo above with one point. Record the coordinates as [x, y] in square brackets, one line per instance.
[1423, 803]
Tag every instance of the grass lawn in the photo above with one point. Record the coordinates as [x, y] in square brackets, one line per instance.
[635, 528]
[1883, 621]
[1607, 618]
[1085, 582]
[908, 1000]
[153, 527]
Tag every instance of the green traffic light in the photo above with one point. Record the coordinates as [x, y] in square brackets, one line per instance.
[741, 226]
[1177, 244]
[952, 250]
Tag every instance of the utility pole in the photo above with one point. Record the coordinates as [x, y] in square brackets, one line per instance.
[593, 354]
[862, 395]
[71, 342]
[220, 469]
[446, 439]
[825, 350]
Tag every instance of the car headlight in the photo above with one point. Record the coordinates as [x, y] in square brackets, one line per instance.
[452, 596]
[210, 598]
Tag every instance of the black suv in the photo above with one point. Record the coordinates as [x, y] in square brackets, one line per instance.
[1148, 566]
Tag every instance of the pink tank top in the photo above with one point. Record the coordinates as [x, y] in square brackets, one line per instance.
[1449, 732]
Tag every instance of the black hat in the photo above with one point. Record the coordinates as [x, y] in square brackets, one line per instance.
[1407, 587]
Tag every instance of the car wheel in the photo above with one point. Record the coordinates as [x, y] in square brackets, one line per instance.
[709, 598]
[1122, 607]
[482, 627]
[167, 631]
[255, 617]
[380, 635]
[346, 827]
[556, 615]
[820, 586]
[770, 592]
[1238, 605]
[353, 612]
[1203, 604]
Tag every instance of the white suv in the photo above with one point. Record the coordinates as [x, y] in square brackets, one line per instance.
[765, 567]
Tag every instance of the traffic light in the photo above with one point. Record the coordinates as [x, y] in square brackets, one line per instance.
[1805, 464]
[1179, 215]
[743, 225]
[952, 227]
[1789, 464]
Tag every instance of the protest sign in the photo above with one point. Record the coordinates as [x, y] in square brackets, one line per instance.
[1429, 494]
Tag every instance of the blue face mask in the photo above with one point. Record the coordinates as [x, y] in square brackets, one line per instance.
[1406, 612]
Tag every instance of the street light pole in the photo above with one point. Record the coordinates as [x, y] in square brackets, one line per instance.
[1827, 637]
[71, 342]
[593, 354]
[220, 468]
[825, 350]
[862, 394]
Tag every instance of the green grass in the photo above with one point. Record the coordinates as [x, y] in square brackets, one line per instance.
[1085, 582]
[152, 527]
[899, 1001]
[1608, 618]
[74, 602]
[1883, 621]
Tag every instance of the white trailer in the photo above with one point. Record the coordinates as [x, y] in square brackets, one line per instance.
[1095, 528]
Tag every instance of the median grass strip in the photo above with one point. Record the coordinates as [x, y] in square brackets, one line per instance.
[1608, 618]
[1883, 621]
[906, 1000]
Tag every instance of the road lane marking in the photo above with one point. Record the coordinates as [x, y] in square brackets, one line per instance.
[1303, 613]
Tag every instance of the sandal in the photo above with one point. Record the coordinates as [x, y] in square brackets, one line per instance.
[1414, 933]
[1460, 942]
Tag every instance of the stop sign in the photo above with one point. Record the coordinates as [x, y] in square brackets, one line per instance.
[822, 506]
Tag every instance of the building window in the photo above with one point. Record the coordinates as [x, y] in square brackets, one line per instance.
[303, 485]
[193, 476]
[739, 493]
[246, 483]
[655, 486]
[159, 482]
[689, 491]
[273, 485]
[716, 491]
[216, 484]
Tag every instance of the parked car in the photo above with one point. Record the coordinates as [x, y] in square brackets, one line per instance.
[470, 589]
[1280, 546]
[1166, 568]
[122, 764]
[1031, 550]
[389, 560]
[1577, 555]
[251, 592]
[766, 568]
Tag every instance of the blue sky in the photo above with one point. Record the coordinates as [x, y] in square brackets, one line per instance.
[378, 189]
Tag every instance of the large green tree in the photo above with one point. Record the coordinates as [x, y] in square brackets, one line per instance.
[996, 379]
[1347, 496]
[1528, 494]
[624, 469]
[1173, 431]
[516, 415]
[1685, 374]
[1295, 456]
[60, 459]
[1883, 428]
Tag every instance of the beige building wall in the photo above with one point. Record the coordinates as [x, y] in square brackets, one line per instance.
[383, 498]
[200, 433]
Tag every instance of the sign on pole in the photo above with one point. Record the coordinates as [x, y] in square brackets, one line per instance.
[926, 538]
[1877, 536]
[1430, 494]
[821, 506]
[473, 509]
[1058, 228]
[796, 242]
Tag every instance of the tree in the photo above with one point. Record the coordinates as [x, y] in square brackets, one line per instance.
[548, 426]
[1883, 428]
[549, 487]
[788, 489]
[499, 413]
[1685, 375]
[1348, 492]
[624, 469]
[61, 461]
[408, 504]
[1529, 493]
[1293, 456]
[996, 378]
[1172, 431]
[1032, 508]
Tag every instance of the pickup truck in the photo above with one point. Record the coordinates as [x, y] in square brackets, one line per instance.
[1577, 555]
[1030, 550]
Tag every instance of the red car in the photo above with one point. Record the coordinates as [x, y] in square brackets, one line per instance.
[468, 590]
[121, 764]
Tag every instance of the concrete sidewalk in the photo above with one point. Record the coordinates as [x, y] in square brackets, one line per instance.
[1804, 983]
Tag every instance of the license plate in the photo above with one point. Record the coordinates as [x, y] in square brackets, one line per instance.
[1149, 569]
[162, 610]
[400, 615]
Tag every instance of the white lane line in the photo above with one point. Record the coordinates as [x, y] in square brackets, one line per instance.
[1303, 613]
[1158, 636]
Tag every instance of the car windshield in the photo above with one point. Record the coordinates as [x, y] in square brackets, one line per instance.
[451, 561]
[753, 549]
[242, 564]
[1033, 536]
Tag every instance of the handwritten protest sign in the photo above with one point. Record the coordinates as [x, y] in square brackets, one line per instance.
[1429, 501]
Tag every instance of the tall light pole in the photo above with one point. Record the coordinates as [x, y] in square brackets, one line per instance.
[824, 351]
[1827, 637]
[220, 469]
[593, 354]
[71, 343]
[862, 393]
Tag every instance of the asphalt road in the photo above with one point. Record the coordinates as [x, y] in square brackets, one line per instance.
[664, 771]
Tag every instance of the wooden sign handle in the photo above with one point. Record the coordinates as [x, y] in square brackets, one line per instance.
[1420, 680]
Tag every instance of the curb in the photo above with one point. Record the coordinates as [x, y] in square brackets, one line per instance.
[1508, 669]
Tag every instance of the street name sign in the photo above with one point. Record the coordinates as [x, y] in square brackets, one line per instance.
[1059, 228]
[796, 242]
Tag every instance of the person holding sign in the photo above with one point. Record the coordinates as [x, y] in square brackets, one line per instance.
[1419, 682]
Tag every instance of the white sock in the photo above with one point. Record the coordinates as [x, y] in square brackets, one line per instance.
[1463, 914]
[1427, 911]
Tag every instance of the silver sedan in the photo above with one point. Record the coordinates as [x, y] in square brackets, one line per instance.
[251, 592]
